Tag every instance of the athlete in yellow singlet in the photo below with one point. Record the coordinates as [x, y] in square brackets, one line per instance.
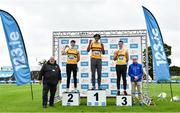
[121, 57]
[97, 49]
[73, 58]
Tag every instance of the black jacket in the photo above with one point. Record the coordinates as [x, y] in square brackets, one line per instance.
[50, 73]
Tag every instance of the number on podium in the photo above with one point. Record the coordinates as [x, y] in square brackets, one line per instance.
[70, 99]
[96, 98]
[124, 100]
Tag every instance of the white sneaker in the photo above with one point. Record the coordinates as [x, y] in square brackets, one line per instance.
[75, 91]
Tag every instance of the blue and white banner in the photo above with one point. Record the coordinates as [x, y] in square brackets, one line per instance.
[109, 77]
[16, 48]
[161, 67]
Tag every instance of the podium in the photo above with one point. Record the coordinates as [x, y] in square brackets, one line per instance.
[124, 100]
[70, 99]
[96, 98]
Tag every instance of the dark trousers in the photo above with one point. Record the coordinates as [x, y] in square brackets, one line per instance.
[121, 71]
[96, 64]
[46, 88]
[71, 68]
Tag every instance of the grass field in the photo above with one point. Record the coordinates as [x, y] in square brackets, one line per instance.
[18, 99]
[175, 78]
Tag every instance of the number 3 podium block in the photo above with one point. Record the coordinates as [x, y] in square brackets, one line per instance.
[96, 98]
[70, 99]
[124, 100]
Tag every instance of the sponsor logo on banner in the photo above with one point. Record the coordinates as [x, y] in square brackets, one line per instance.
[104, 86]
[113, 86]
[112, 69]
[84, 69]
[113, 74]
[133, 45]
[63, 86]
[105, 58]
[84, 41]
[113, 80]
[127, 86]
[85, 63]
[105, 74]
[83, 47]
[84, 86]
[112, 63]
[84, 52]
[104, 40]
[105, 80]
[106, 52]
[105, 68]
[113, 40]
[63, 75]
[85, 80]
[84, 58]
[84, 75]
[77, 46]
[104, 63]
[111, 57]
[113, 92]
[133, 56]
[111, 52]
[134, 40]
[134, 51]
[63, 58]
[72, 80]
[125, 40]
[113, 46]
[64, 41]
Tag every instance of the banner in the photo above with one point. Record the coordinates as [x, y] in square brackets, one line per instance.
[161, 67]
[109, 77]
[16, 48]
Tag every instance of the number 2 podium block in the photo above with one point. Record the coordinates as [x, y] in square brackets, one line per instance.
[124, 100]
[70, 99]
[96, 98]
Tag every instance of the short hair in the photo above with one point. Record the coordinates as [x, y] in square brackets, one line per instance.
[73, 41]
[121, 41]
[97, 35]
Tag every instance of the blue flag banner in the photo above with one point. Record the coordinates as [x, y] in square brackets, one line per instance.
[161, 67]
[16, 48]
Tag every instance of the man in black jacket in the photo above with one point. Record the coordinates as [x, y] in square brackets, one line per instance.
[50, 74]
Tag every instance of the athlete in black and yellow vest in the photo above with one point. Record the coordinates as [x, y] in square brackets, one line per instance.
[97, 49]
[121, 57]
[73, 58]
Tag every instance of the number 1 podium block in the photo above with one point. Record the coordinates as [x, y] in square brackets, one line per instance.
[96, 98]
[124, 100]
[70, 99]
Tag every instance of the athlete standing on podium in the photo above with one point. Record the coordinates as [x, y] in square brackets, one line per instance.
[97, 49]
[73, 58]
[121, 57]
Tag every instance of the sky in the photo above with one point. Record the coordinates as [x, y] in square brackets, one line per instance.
[39, 18]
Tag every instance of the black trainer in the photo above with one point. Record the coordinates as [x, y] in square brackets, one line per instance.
[118, 93]
[52, 105]
[125, 93]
